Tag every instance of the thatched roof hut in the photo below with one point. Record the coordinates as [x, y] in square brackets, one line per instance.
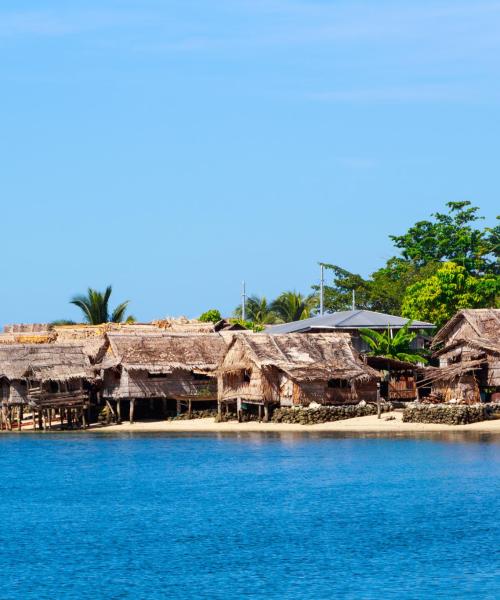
[468, 348]
[179, 367]
[44, 377]
[469, 324]
[294, 369]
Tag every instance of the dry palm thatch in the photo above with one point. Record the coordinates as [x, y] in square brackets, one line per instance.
[468, 324]
[164, 353]
[303, 357]
[44, 362]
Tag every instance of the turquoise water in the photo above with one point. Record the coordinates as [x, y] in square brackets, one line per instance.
[92, 516]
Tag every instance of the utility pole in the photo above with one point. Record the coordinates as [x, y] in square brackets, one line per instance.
[243, 302]
[353, 299]
[321, 290]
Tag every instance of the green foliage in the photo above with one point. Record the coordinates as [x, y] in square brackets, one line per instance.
[95, 307]
[452, 238]
[61, 322]
[397, 346]
[451, 288]
[446, 237]
[257, 310]
[292, 306]
[248, 324]
[210, 316]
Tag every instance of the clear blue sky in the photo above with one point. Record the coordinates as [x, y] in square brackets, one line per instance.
[174, 147]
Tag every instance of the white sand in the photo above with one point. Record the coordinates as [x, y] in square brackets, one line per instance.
[359, 424]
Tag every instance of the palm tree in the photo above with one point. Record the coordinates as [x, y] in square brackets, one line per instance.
[397, 346]
[95, 307]
[292, 306]
[257, 310]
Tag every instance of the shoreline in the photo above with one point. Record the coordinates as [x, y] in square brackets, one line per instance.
[369, 424]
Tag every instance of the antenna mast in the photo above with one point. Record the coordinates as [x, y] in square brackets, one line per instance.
[321, 290]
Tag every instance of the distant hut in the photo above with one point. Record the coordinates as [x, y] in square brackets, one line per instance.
[160, 373]
[51, 381]
[261, 371]
[468, 348]
[398, 378]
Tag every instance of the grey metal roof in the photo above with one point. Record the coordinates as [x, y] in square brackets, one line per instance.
[348, 319]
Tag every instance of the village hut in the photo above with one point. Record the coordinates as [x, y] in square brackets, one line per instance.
[262, 371]
[160, 374]
[468, 349]
[399, 378]
[51, 381]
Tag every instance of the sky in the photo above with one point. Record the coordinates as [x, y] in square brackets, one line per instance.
[174, 148]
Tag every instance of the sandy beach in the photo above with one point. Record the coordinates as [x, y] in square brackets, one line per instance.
[368, 424]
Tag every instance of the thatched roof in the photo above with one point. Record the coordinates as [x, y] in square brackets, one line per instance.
[44, 362]
[302, 356]
[164, 353]
[451, 372]
[482, 321]
[183, 325]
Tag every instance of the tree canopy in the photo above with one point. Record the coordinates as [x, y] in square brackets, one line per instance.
[451, 237]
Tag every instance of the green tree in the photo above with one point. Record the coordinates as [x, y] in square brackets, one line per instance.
[210, 316]
[451, 288]
[292, 306]
[451, 237]
[95, 307]
[397, 346]
[257, 310]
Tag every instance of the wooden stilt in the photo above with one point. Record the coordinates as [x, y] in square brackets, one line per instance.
[190, 408]
[84, 420]
[239, 410]
[266, 412]
[178, 407]
[132, 407]
[118, 411]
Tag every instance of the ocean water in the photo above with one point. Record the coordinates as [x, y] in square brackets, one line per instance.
[250, 516]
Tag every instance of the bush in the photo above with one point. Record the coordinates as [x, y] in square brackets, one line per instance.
[211, 316]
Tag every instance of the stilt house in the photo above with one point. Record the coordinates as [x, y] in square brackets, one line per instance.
[261, 371]
[468, 348]
[50, 381]
[158, 374]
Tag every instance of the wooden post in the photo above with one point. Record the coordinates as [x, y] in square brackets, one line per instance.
[40, 419]
[190, 408]
[260, 413]
[34, 419]
[178, 407]
[118, 411]
[266, 412]
[84, 421]
[219, 409]
[379, 407]
[132, 406]
[239, 410]
[50, 418]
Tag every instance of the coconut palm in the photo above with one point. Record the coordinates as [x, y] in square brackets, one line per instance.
[292, 306]
[96, 310]
[397, 346]
[257, 310]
